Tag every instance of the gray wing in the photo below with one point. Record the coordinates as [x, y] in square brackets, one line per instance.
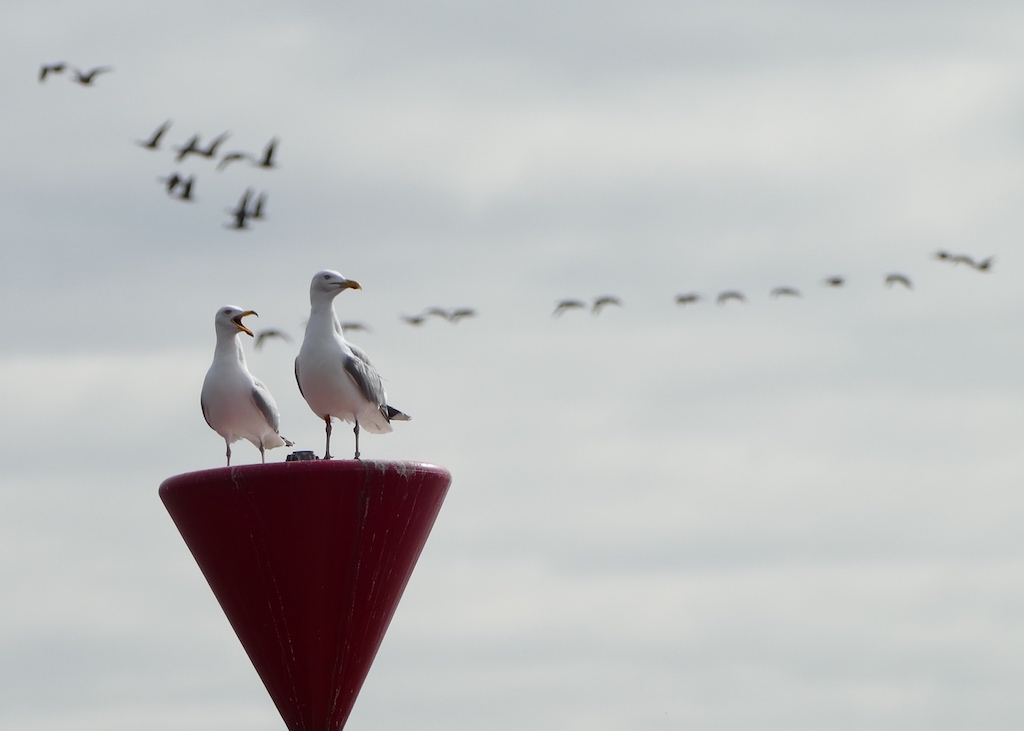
[261, 397]
[365, 376]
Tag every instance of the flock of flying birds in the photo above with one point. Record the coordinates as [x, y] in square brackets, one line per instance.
[85, 78]
[596, 305]
[250, 206]
[689, 298]
[177, 185]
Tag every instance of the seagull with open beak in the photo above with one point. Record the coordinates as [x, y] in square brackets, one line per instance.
[235, 403]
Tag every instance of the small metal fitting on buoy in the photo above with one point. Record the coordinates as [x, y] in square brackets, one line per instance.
[303, 455]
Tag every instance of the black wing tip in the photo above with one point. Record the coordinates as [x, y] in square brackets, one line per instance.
[394, 414]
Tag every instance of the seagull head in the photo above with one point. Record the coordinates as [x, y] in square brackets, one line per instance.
[329, 283]
[229, 320]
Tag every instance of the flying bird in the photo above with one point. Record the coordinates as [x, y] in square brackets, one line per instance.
[350, 326]
[601, 302]
[335, 377]
[984, 265]
[687, 299]
[188, 148]
[731, 294]
[170, 182]
[256, 212]
[263, 335]
[231, 157]
[962, 259]
[85, 78]
[564, 305]
[211, 149]
[52, 68]
[236, 404]
[436, 312]
[154, 140]
[894, 278]
[785, 292]
[186, 188]
[834, 281]
[414, 319]
[267, 158]
[942, 255]
[240, 212]
[460, 314]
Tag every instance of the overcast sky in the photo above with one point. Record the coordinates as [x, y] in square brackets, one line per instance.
[785, 513]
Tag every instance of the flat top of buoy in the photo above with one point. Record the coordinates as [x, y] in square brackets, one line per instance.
[277, 470]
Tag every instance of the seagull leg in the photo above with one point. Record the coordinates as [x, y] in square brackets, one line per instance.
[263, 458]
[327, 449]
[229, 451]
[356, 430]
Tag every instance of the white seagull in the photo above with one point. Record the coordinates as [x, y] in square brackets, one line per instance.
[335, 377]
[235, 403]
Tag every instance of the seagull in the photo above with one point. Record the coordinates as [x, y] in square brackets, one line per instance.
[231, 157]
[785, 292]
[188, 148]
[943, 255]
[731, 294]
[687, 299]
[52, 68]
[270, 333]
[564, 305]
[460, 313]
[236, 404]
[86, 78]
[267, 159]
[903, 279]
[240, 212]
[834, 282]
[335, 377]
[414, 319]
[962, 259]
[154, 141]
[600, 302]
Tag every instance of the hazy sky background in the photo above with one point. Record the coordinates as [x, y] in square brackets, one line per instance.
[785, 514]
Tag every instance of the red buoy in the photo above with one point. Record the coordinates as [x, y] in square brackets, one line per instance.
[308, 560]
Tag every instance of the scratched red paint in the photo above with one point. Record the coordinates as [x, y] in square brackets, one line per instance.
[308, 561]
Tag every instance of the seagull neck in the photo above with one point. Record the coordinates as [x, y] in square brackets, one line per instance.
[322, 315]
[230, 347]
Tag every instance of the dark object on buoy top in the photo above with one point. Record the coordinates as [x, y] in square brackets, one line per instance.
[308, 560]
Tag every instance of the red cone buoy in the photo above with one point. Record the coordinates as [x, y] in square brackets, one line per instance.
[308, 560]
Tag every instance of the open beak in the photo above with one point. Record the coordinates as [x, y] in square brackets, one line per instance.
[238, 322]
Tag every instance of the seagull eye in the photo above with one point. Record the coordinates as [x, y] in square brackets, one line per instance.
[327, 276]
